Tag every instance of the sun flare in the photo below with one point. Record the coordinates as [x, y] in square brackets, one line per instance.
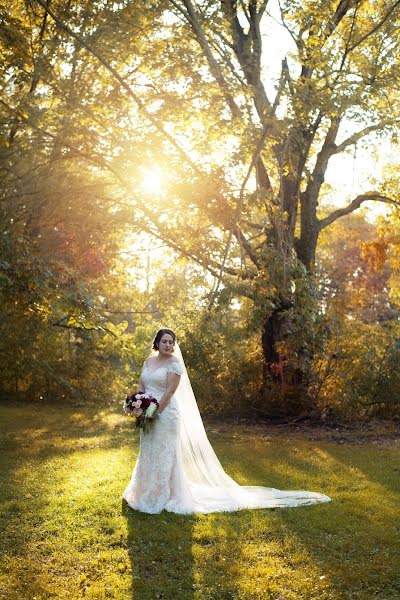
[152, 181]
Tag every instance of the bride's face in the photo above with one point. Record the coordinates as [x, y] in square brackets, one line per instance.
[166, 345]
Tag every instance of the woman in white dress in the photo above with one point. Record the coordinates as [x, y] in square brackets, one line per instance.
[177, 469]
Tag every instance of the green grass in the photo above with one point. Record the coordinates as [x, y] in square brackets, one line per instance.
[66, 533]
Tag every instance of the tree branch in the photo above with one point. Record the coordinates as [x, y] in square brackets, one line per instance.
[343, 7]
[353, 139]
[347, 47]
[225, 57]
[328, 148]
[246, 246]
[374, 29]
[214, 66]
[322, 34]
[213, 267]
[255, 161]
[247, 48]
[356, 203]
[297, 39]
[281, 86]
[263, 7]
[214, 293]
[131, 312]
[81, 326]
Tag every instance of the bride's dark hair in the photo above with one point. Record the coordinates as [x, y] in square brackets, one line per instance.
[159, 335]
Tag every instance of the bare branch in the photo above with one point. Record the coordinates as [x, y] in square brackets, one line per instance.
[254, 162]
[356, 203]
[221, 36]
[225, 57]
[254, 225]
[288, 77]
[245, 11]
[246, 246]
[353, 139]
[181, 9]
[281, 86]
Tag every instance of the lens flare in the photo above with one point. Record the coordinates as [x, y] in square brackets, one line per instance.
[152, 182]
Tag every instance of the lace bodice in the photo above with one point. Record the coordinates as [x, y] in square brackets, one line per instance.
[155, 379]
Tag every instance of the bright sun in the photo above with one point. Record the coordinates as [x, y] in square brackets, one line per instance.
[152, 181]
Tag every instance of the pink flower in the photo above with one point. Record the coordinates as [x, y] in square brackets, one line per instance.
[137, 403]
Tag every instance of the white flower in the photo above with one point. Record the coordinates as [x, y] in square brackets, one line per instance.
[151, 410]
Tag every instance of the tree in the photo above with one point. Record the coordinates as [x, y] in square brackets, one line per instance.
[354, 270]
[188, 87]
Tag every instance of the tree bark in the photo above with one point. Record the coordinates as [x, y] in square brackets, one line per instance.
[285, 383]
[306, 245]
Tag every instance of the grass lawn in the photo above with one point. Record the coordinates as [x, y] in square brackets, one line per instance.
[66, 532]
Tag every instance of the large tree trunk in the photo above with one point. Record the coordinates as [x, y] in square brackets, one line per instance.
[285, 376]
[285, 381]
[306, 245]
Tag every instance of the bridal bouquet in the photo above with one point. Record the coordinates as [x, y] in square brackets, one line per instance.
[143, 407]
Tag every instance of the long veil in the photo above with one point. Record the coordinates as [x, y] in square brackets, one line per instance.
[211, 487]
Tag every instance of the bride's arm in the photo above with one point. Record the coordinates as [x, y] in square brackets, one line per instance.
[172, 384]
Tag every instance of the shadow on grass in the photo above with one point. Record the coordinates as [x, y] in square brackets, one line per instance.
[160, 550]
[59, 472]
[348, 542]
[47, 431]
[220, 561]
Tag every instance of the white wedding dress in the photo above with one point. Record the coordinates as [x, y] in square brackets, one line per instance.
[177, 474]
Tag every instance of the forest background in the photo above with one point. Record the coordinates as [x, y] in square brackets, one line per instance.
[215, 168]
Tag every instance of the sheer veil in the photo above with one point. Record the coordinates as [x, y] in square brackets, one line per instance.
[212, 488]
[201, 464]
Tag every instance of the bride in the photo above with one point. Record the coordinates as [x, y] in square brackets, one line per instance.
[177, 469]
